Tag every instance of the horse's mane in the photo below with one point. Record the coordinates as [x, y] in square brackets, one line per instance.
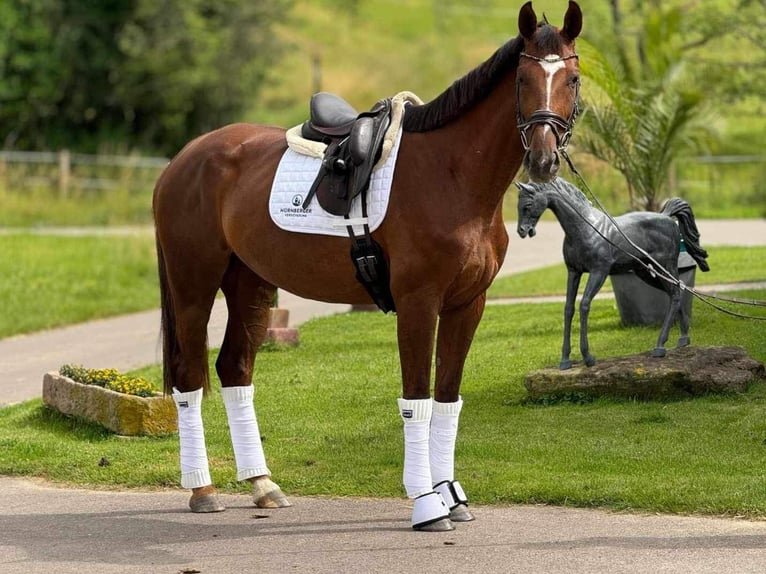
[465, 92]
[572, 191]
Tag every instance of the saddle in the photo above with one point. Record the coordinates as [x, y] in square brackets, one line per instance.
[354, 142]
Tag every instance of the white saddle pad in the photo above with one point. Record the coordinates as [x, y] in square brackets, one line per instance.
[292, 182]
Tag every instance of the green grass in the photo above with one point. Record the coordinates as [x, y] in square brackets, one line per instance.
[327, 411]
[727, 265]
[51, 281]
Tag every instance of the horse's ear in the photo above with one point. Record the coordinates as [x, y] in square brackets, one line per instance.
[527, 21]
[572, 22]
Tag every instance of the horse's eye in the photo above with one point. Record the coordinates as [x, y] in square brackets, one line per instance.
[574, 81]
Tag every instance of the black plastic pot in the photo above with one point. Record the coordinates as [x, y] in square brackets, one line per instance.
[642, 304]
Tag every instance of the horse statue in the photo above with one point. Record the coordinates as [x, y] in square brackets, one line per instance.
[593, 245]
[443, 240]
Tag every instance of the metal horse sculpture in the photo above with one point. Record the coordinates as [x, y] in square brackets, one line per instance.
[443, 238]
[593, 245]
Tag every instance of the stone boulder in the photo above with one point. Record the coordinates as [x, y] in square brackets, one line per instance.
[686, 372]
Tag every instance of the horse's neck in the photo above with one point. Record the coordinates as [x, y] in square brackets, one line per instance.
[484, 146]
[576, 218]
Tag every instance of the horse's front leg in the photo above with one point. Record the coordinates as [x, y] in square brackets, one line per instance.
[595, 282]
[416, 324]
[456, 330]
[573, 284]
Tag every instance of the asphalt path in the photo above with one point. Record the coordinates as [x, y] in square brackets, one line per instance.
[45, 528]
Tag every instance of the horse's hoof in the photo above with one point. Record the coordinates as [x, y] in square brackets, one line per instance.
[590, 360]
[658, 352]
[267, 494]
[461, 514]
[441, 525]
[205, 500]
[684, 341]
[274, 499]
[564, 365]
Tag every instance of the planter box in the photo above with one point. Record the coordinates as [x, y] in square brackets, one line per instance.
[123, 414]
[278, 331]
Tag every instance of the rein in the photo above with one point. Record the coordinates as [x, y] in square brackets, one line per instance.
[561, 126]
[654, 267]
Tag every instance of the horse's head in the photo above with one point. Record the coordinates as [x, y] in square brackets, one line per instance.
[547, 88]
[532, 203]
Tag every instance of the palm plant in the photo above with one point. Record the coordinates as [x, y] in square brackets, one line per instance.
[641, 113]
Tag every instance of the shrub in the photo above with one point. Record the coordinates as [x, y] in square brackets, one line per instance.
[109, 379]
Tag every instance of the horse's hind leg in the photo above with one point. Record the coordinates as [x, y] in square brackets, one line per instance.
[188, 287]
[683, 339]
[675, 302]
[248, 298]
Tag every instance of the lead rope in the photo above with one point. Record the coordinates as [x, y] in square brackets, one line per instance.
[659, 270]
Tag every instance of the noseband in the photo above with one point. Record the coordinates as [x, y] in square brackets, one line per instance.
[562, 127]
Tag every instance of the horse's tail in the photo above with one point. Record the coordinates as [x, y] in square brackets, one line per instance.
[167, 323]
[682, 211]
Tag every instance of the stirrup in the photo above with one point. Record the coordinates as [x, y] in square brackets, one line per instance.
[430, 514]
[454, 497]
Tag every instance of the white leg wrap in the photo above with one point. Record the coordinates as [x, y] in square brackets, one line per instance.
[444, 421]
[245, 436]
[195, 471]
[416, 415]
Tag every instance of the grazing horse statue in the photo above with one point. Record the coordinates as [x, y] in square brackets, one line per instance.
[443, 239]
[593, 245]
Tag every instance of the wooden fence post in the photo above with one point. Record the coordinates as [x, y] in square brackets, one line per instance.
[65, 172]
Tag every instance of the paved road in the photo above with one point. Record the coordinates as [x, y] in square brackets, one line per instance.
[47, 529]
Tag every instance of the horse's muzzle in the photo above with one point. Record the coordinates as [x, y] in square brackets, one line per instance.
[542, 166]
[524, 229]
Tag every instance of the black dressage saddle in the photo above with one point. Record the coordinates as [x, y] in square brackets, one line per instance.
[354, 143]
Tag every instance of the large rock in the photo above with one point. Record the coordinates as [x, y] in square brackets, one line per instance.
[685, 372]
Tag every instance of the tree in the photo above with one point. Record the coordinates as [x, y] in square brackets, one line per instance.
[642, 112]
[79, 73]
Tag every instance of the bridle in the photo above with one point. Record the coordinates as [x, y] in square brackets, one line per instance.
[562, 127]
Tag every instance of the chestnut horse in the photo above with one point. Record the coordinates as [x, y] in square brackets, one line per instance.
[443, 238]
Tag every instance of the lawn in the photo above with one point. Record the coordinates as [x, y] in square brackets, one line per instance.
[727, 265]
[53, 281]
[328, 414]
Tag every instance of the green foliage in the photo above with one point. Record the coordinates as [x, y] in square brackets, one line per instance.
[109, 379]
[642, 113]
[151, 74]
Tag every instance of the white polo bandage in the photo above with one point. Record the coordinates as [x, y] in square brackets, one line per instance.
[416, 415]
[195, 471]
[444, 423]
[245, 436]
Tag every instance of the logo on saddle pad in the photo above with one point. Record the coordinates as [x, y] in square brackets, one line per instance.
[297, 200]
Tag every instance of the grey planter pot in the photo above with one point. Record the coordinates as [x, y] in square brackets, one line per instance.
[642, 304]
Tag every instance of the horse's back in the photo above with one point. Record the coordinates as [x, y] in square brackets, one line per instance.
[193, 187]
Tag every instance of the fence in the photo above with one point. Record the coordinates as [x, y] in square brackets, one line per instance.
[66, 172]
[707, 181]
